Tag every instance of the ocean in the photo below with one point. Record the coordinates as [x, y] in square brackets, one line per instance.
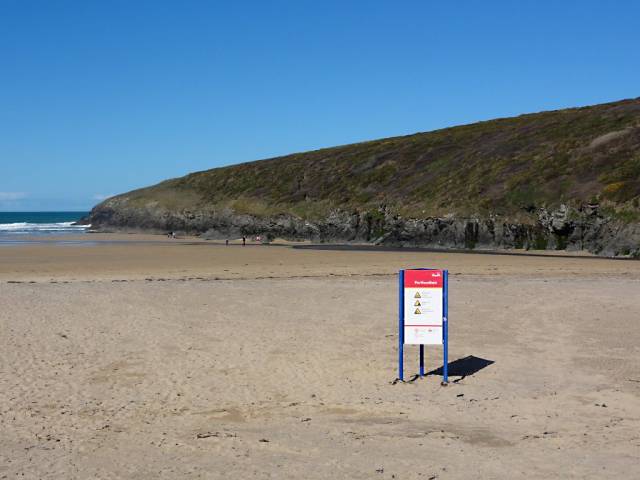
[40, 223]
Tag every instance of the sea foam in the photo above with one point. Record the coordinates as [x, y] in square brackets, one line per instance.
[35, 228]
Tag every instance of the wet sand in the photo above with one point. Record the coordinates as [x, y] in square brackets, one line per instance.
[171, 359]
[139, 257]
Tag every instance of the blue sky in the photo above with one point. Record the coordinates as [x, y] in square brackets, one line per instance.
[100, 97]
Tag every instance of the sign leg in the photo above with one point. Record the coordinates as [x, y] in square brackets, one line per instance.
[422, 360]
[445, 350]
[401, 325]
[445, 330]
[401, 362]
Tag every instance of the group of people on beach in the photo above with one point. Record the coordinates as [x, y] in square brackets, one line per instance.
[244, 241]
[258, 238]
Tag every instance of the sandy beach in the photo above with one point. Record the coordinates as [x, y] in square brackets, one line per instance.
[145, 357]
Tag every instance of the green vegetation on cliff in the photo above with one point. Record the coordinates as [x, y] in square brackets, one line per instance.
[505, 166]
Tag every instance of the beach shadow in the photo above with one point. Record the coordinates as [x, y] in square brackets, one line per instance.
[463, 367]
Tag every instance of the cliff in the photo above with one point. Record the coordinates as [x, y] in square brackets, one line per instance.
[565, 179]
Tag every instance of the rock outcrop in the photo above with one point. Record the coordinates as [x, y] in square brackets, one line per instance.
[561, 229]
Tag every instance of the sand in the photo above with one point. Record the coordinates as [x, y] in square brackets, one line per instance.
[182, 360]
[155, 257]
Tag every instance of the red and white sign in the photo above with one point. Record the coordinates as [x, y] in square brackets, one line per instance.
[423, 307]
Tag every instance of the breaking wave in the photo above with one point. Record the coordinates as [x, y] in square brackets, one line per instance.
[24, 228]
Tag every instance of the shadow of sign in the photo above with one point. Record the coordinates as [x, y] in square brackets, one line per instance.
[463, 367]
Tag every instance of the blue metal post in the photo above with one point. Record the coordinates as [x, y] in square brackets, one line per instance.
[421, 360]
[445, 329]
[401, 325]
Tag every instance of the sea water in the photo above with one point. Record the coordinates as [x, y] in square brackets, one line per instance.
[40, 223]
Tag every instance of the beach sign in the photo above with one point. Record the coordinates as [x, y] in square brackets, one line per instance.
[423, 305]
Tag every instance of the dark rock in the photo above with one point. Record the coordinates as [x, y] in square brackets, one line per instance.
[564, 228]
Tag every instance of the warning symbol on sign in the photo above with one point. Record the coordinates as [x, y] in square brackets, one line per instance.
[417, 295]
[417, 304]
[417, 311]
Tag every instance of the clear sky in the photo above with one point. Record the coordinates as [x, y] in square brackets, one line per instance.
[100, 97]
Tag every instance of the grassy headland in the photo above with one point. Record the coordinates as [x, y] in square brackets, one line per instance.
[510, 168]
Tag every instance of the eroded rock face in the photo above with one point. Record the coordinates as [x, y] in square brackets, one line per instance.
[563, 228]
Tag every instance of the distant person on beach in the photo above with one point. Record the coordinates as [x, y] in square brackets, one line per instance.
[226, 242]
[244, 241]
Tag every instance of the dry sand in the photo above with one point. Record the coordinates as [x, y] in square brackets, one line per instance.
[182, 360]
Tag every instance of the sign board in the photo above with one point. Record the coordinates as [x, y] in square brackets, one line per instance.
[423, 306]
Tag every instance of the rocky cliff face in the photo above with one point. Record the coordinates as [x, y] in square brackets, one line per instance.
[564, 228]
